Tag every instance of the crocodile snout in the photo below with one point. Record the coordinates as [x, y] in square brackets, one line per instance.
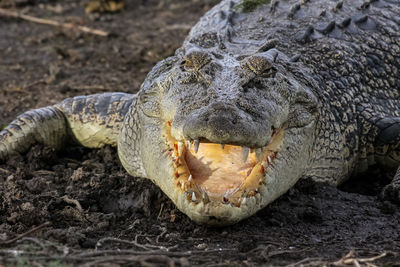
[225, 124]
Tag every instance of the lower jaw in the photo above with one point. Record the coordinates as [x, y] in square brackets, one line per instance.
[197, 192]
[218, 213]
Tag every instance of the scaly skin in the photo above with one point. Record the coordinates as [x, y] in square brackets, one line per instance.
[312, 87]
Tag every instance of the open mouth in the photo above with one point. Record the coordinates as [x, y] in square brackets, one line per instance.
[212, 172]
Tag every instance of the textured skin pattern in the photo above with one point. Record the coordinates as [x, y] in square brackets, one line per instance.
[352, 49]
[128, 141]
[96, 120]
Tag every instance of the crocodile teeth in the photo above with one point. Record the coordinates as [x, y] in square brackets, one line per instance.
[223, 146]
[189, 145]
[244, 200]
[245, 151]
[183, 186]
[194, 196]
[269, 159]
[190, 178]
[196, 143]
[180, 148]
[206, 199]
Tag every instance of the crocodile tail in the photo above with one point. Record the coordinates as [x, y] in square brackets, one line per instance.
[47, 126]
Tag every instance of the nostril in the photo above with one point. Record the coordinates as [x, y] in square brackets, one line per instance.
[234, 121]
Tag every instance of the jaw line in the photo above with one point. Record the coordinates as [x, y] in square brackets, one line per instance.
[190, 198]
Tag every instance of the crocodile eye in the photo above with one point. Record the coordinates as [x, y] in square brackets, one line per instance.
[257, 64]
[196, 60]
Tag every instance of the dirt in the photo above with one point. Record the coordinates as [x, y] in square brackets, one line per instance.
[80, 207]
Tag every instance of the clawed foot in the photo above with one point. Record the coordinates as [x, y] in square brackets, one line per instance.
[391, 192]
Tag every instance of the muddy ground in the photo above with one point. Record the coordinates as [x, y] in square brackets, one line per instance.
[79, 206]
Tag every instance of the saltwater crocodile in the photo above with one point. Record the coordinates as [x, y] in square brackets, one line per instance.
[252, 102]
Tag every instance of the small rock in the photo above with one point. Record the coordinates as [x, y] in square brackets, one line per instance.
[77, 175]
[27, 206]
[202, 246]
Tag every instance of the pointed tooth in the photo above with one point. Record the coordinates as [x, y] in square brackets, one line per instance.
[252, 194]
[189, 144]
[265, 165]
[245, 151]
[180, 148]
[194, 196]
[206, 199]
[190, 178]
[183, 186]
[196, 143]
[223, 146]
[269, 159]
[244, 200]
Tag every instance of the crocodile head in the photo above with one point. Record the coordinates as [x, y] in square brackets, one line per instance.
[224, 135]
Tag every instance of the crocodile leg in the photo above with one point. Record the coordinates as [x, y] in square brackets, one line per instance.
[391, 191]
[388, 154]
[91, 121]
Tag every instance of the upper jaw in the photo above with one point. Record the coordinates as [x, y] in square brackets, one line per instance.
[224, 123]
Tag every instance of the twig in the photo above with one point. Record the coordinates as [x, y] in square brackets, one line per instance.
[303, 261]
[37, 228]
[350, 258]
[373, 258]
[164, 260]
[160, 212]
[110, 252]
[147, 247]
[5, 171]
[15, 14]
[32, 83]
[87, 257]
[34, 240]
[164, 231]
[112, 239]
[25, 87]
[280, 252]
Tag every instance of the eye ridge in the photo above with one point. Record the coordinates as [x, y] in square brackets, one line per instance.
[189, 78]
[258, 64]
[196, 60]
[257, 81]
[268, 73]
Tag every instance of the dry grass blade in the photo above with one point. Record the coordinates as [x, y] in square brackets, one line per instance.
[350, 259]
[37, 228]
